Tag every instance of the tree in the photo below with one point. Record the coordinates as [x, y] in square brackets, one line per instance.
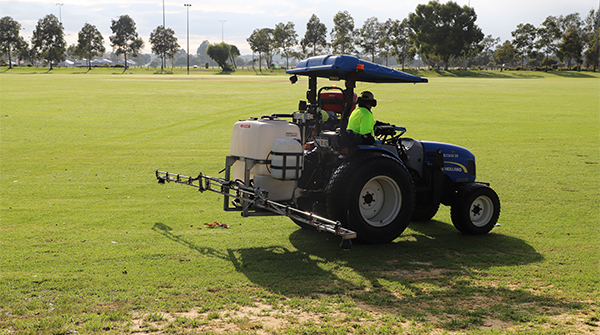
[90, 43]
[548, 34]
[571, 47]
[261, 42]
[571, 20]
[505, 54]
[342, 34]
[524, 38]
[445, 30]
[220, 53]
[22, 50]
[403, 48]
[125, 38]
[368, 37]
[9, 36]
[284, 39]
[164, 43]
[27, 52]
[386, 35]
[315, 37]
[488, 45]
[234, 53]
[592, 22]
[48, 39]
[73, 53]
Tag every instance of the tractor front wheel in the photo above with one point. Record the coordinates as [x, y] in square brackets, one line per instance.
[476, 210]
[373, 195]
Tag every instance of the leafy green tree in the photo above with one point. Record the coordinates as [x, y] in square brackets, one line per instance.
[315, 37]
[403, 48]
[445, 31]
[90, 43]
[9, 36]
[591, 38]
[261, 42]
[488, 44]
[386, 35]
[22, 48]
[342, 34]
[571, 47]
[523, 40]
[284, 39]
[505, 54]
[548, 34]
[220, 53]
[570, 20]
[48, 39]
[72, 53]
[164, 43]
[234, 53]
[27, 52]
[125, 39]
[368, 37]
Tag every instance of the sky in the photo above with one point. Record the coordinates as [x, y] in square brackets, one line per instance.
[233, 21]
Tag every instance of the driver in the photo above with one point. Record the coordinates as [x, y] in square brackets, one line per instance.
[361, 121]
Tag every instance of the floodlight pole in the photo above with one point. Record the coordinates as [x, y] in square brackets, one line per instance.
[222, 30]
[187, 5]
[59, 11]
[163, 64]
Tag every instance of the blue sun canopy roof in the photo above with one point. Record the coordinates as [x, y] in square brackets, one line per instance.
[339, 66]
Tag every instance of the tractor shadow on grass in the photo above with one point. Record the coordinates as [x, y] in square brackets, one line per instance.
[431, 270]
[427, 252]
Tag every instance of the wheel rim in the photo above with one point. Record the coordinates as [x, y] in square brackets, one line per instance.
[380, 201]
[481, 211]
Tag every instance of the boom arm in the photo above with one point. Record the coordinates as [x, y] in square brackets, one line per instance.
[254, 197]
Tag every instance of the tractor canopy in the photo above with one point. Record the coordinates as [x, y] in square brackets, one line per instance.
[343, 67]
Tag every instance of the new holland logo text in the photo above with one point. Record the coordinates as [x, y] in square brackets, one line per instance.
[454, 167]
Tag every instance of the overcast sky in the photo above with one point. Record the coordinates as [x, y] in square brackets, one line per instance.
[234, 20]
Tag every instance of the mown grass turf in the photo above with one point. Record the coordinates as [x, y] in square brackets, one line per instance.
[90, 243]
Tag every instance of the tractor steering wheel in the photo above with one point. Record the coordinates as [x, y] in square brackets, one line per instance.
[390, 130]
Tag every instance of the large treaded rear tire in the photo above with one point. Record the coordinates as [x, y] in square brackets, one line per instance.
[373, 195]
[476, 209]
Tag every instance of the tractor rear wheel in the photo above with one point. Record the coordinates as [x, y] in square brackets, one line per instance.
[373, 195]
[476, 210]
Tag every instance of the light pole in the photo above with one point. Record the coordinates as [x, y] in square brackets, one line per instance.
[187, 5]
[163, 64]
[222, 30]
[59, 11]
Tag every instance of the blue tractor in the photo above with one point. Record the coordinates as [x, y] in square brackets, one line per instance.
[308, 166]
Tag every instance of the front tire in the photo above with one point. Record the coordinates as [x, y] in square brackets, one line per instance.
[373, 195]
[476, 210]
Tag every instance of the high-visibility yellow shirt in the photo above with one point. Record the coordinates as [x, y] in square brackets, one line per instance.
[361, 121]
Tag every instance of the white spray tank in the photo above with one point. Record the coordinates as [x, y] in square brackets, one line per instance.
[256, 139]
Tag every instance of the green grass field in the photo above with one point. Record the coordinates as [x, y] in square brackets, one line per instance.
[90, 243]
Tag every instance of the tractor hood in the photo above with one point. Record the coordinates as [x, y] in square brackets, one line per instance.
[339, 66]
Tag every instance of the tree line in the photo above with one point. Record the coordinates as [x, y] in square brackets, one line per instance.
[440, 34]
[48, 43]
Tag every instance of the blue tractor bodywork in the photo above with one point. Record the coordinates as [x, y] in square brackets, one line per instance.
[459, 163]
[441, 173]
